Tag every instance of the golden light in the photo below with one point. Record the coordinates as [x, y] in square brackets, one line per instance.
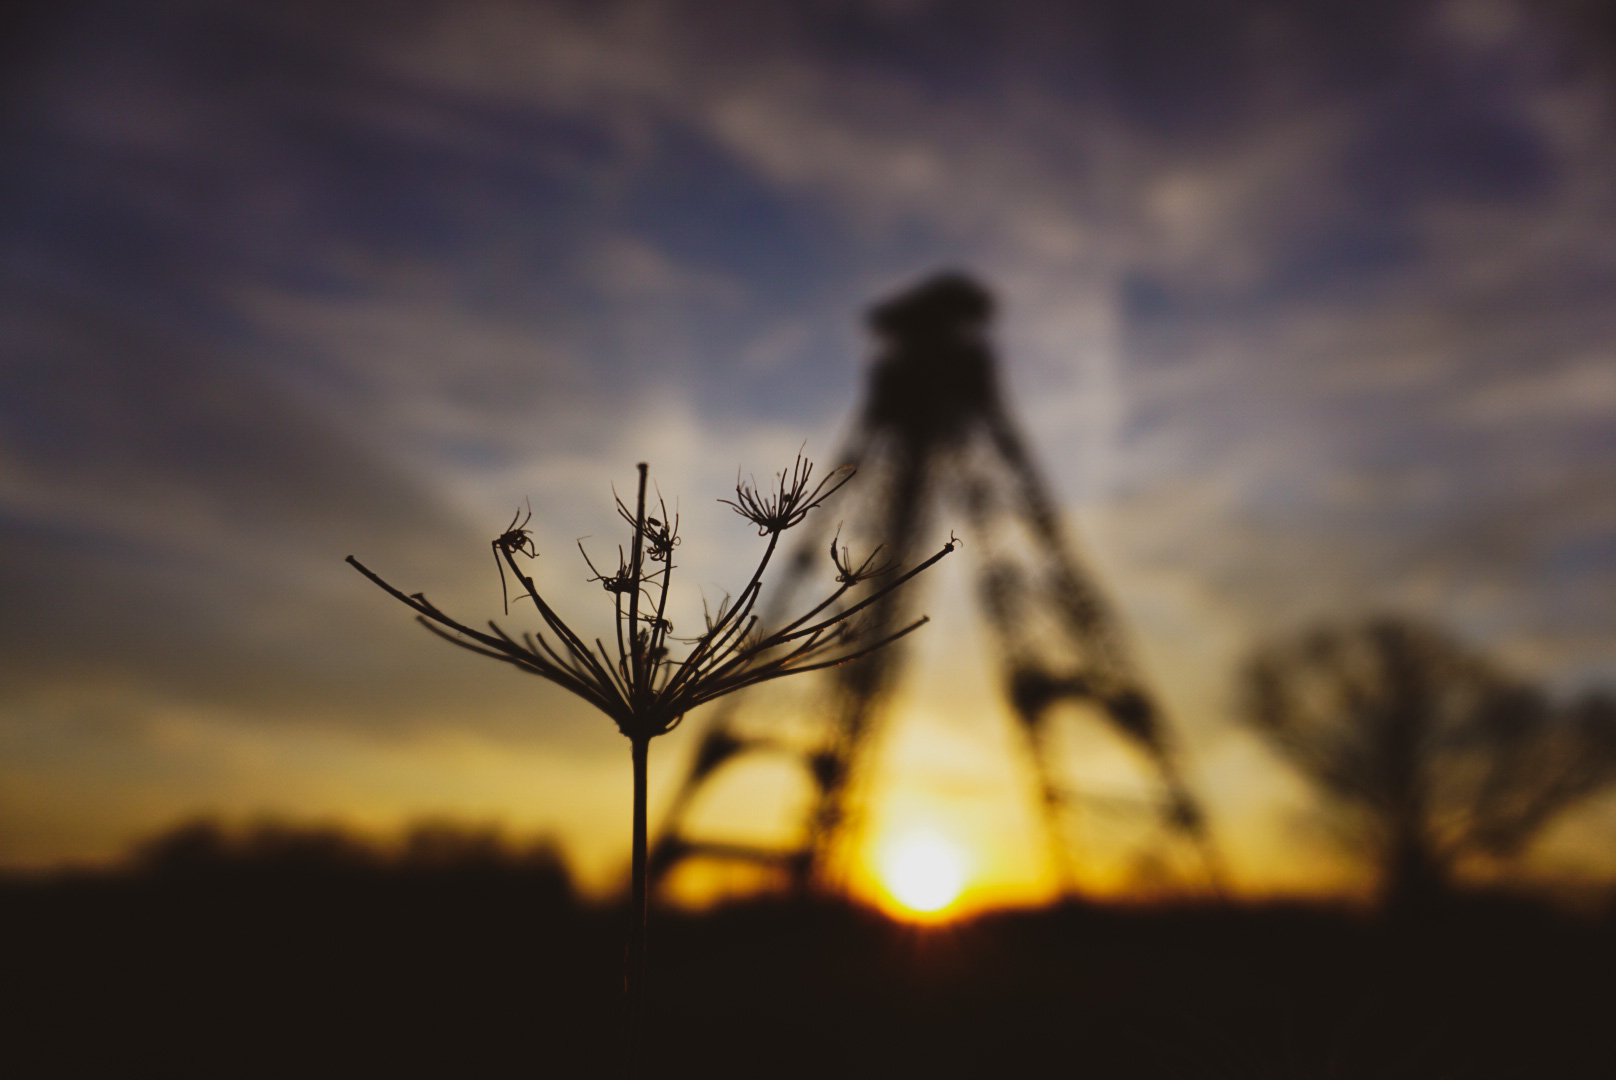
[924, 872]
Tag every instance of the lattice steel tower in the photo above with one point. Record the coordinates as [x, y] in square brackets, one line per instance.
[934, 433]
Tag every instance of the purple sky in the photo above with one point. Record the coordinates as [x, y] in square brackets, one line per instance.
[1306, 309]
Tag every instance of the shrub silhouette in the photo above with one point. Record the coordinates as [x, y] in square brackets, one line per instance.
[1428, 755]
[205, 849]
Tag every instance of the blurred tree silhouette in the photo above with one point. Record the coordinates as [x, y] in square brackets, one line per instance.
[204, 849]
[1428, 755]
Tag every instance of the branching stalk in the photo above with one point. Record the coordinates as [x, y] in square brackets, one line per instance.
[646, 692]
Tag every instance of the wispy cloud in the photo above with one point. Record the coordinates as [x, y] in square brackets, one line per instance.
[1307, 308]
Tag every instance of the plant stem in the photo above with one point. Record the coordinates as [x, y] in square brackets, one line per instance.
[635, 978]
[638, 681]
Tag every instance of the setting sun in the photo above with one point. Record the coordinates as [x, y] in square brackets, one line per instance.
[924, 872]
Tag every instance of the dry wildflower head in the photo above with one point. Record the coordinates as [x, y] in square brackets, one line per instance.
[872, 567]
[661, 534]
[616, 584]
[640, 684]
[516, 539]
[791, 500]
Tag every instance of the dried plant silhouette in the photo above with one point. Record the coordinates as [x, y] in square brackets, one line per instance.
[640, 685]
[1429, 757]
[935, 430]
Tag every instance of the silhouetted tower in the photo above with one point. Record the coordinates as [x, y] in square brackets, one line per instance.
[934, 433]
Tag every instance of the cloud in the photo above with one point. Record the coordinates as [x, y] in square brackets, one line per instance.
[1306, 308]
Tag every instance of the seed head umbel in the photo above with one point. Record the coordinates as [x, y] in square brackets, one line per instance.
[637, 681]
[872, 567]
[791, 500]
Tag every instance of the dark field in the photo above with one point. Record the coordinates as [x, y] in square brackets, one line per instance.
[198, 965]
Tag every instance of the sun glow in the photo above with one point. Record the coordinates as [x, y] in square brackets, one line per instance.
[924, 872]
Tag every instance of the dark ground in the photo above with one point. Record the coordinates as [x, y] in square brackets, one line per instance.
[211, 965]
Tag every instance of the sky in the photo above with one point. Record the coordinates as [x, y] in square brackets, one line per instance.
[1304, 308]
